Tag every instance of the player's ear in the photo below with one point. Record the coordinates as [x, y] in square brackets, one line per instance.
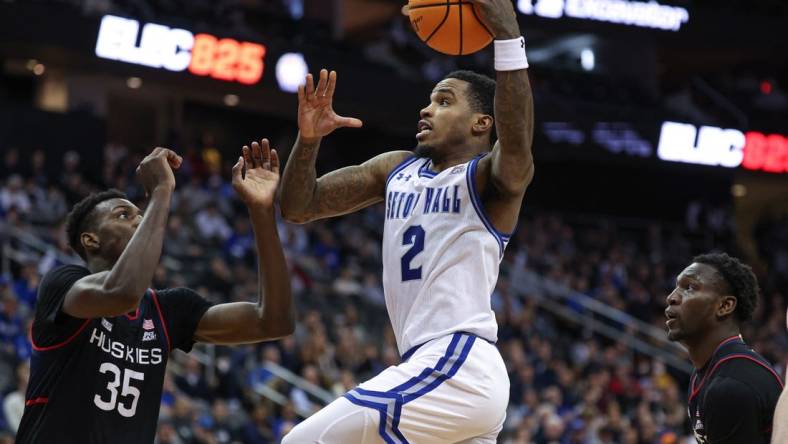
[89, 241]
[727, 306]
[483, 123]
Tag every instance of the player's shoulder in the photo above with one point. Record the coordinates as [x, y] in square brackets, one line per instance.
[749, 370]
[179, 300]
[174, 292]
[63, 275]
[385, 163]
[397, 157]
[66, 269]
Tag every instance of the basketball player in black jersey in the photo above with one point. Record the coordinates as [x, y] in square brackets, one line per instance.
[733, 390]
[101, 337]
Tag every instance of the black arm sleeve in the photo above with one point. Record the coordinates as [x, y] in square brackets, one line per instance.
[51, 325]
[733, 413]
[182, 309]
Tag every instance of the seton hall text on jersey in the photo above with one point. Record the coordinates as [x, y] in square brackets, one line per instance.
[401, 205]
[119, 350]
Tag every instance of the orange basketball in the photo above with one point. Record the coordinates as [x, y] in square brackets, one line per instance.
[452, 27]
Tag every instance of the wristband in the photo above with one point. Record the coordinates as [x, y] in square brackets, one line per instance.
[510, 54]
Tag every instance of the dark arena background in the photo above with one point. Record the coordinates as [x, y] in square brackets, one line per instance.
[659, 135]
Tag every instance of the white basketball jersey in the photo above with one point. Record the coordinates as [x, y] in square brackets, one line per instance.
[440, 254]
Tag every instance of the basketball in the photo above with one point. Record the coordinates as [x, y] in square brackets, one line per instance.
[450, 27]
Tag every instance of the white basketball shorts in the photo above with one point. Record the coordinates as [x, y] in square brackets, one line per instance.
[453, 389]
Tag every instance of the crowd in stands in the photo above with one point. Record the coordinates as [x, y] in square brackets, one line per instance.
[568, 385]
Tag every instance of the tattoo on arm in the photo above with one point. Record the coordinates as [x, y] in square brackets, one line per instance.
[346, 190]
[299, 179]
[514, 122]
[339, 192]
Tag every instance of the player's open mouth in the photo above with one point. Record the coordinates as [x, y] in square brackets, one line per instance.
[424, 129]
[671, 317]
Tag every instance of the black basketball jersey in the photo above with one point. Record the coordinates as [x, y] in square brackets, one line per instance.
[733, 397]
[100, 380]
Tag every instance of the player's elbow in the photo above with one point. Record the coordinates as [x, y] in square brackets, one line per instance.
[294, 215]
[276, 326]
[279, 330]
[515, 183]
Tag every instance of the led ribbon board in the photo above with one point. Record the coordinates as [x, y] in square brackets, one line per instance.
[641, 14]
[730, 148]
[177, 50]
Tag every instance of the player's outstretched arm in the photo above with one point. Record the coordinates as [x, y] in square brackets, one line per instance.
[119, 290]
[512, 159]
[304, 196]
[273, 316]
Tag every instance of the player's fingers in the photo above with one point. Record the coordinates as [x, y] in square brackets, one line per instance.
[332, 84]
[155, 152]
[349, 122]
[247, 154]
[310, 86]
[266, 153]
[238, 170]
[301, 93]
[274, 161]
[173, 158]
[406, 10]
[322, 83]
[257, 156]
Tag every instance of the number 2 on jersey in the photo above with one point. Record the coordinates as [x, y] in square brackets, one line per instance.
[112, 386]
[414, 236]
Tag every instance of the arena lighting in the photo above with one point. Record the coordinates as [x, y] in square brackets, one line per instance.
[231, 100]
[177, 50]
[730, 148]
[587, 59]
[291, 69]
[641, 14]
[134, 82]
[738, 190]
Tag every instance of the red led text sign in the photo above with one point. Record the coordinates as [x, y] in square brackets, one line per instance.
[176, 49]
[730, 148]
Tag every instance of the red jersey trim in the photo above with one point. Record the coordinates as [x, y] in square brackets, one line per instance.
[161, 316]
[695, 390]
[62, 344]
[135, 316]
[731, 339]
[34, 401]
[724, 341]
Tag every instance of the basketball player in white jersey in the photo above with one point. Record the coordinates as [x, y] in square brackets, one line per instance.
[450, 206]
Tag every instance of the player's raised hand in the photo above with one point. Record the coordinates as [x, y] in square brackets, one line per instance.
[316, 116]
[156, 169]
[500, 17]
[258, 186]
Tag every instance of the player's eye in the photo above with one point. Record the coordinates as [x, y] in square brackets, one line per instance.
[443, 102]
[123, 215]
